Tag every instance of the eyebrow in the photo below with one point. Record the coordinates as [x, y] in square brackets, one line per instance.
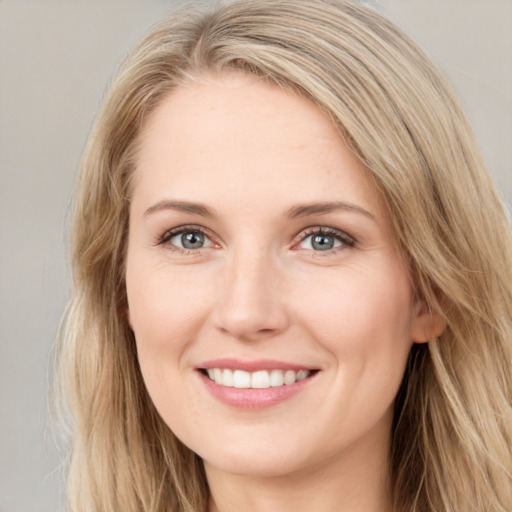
[327, 207]
[181, 206]
[293, 213]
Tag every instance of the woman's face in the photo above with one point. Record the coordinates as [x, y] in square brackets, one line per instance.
[261, 254]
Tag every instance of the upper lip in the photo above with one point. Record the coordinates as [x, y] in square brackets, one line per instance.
[253, 365]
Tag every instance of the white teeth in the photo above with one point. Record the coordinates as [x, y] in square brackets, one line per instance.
[289, 377]
[261, 379]
[301, 375]
[241, 379]
[276, 378]
[227, 377]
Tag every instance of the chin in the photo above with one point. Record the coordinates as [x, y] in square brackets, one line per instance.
[256, 464]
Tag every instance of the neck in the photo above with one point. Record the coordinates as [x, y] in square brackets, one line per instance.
[352, 482]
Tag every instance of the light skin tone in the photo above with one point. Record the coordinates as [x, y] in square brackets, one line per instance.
[256, 234]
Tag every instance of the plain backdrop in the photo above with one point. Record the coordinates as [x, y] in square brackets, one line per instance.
[56, 59]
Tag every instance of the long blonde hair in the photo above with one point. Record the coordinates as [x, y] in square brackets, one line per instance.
[451, 446]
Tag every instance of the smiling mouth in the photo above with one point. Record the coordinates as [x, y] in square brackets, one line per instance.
[261, 379]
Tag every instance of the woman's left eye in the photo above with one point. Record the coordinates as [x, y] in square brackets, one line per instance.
[326, 240]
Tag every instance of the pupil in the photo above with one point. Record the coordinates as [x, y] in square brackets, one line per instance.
[192, 240]
[322, 243]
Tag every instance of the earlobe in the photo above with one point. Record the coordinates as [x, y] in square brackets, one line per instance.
[427, 325]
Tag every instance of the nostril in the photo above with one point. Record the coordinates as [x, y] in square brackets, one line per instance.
[250, 310]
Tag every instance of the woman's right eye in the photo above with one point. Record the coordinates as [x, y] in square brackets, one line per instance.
[187, 239]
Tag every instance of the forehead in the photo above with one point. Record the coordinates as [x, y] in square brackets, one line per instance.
[236, 110]
[235, 132]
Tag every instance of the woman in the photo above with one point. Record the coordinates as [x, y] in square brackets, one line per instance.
[292, 276]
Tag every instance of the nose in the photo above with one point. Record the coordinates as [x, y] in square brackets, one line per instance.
[251, 305]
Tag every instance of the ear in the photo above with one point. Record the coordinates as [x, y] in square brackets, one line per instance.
[426, 324]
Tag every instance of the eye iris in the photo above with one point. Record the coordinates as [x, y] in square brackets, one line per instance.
[322, 242]
[192, 240]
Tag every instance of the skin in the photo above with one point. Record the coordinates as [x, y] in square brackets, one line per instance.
[249, 151]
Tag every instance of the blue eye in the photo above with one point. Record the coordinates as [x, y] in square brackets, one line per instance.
[326, 240]
[186, 238]
[323, 242]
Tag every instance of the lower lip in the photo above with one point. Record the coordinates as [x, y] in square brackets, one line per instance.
[249, 398]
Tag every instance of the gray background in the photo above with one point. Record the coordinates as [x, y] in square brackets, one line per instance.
[56, 58]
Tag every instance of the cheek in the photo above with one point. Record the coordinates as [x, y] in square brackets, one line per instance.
[364, 323]
[363, 320]
[166, 310]
[358, 308]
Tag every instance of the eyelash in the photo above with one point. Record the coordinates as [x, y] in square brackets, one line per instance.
[344, 238]
[166, 237]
